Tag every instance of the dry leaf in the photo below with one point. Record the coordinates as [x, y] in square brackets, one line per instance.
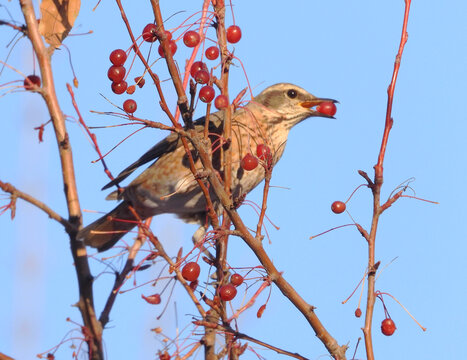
[58, 17]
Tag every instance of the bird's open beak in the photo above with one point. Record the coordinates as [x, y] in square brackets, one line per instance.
[315, 102]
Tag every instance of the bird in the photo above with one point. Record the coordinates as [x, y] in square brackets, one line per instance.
[169, 186]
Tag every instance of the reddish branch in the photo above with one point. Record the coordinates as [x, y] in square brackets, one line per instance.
[376, 189]
[86, 302]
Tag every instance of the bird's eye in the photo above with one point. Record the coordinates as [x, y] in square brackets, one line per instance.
[292, 93]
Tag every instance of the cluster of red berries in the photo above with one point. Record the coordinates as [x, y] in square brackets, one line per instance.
[263, 153]
[228, 291]
[117, 71]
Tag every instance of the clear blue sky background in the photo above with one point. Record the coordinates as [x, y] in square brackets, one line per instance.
[339, 49]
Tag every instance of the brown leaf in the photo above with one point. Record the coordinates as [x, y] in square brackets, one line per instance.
[58, 17]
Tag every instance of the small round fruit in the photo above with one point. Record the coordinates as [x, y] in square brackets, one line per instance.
[388, 327]
[131, 90]
[190, 271]
[197, 66]
[172, 46]
[116, 73]
[338, 207]
[120, 87]
[221, 102]
[234, 34]
[327, 108]
[149, 33]
[129, 106]
[191, 39]
[236, 279]
[31, 82]
[263, 152]
[212, 53]
[118, 57]
[202, 77]
[227, 292]
[249, 162]
[358, 312]
[207, 93]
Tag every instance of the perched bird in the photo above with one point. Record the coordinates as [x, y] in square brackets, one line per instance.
[168, 185]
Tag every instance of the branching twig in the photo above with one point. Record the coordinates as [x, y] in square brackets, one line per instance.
[376, 189]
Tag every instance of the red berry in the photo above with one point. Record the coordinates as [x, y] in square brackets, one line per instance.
[207, 93]
[249, 162]
[116, 73]
[172, 46]
[212, 53]
[152, 299]
[31, 82]
[202, 77]
[221, 102]
[149, 33]
[327, 108]
[130, 106]
[120, 87]
[264, 153]
[388, 327]
[197, 66]
[338, 207]
[358, 312]
[131, 89]
[191, 39]
[227, 292]
[118, 57]
[234, 34]
[190, 271]
[236, 279]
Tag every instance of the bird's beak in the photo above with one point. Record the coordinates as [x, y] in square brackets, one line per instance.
[310, 104]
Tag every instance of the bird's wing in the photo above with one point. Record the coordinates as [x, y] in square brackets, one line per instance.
[169, 144]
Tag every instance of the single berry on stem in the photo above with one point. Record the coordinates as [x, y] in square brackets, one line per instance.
[249, 162]
[338, 207]
[234, 34]
[31, 82]
[190, 271]
[118, 57]
[388, 327]
[221, 102]
[202, 77]
[120, 87]
[129, 106]
[197, 66]
[131, 90]
[264, 153]
[212, 53]
[116, 73]
[149, 33]
[207, 93]
[172, 47]
[327, 108]
[358, 312]
[227, 292]
[236, 279]
[191, 39]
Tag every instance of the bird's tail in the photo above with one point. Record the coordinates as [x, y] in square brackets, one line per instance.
[107, 230]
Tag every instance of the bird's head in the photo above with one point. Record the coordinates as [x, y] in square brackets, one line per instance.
[289, 103]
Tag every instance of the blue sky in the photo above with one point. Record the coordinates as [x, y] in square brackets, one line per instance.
[342, 50]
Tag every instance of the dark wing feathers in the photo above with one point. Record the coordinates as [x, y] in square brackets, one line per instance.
[169, 144]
